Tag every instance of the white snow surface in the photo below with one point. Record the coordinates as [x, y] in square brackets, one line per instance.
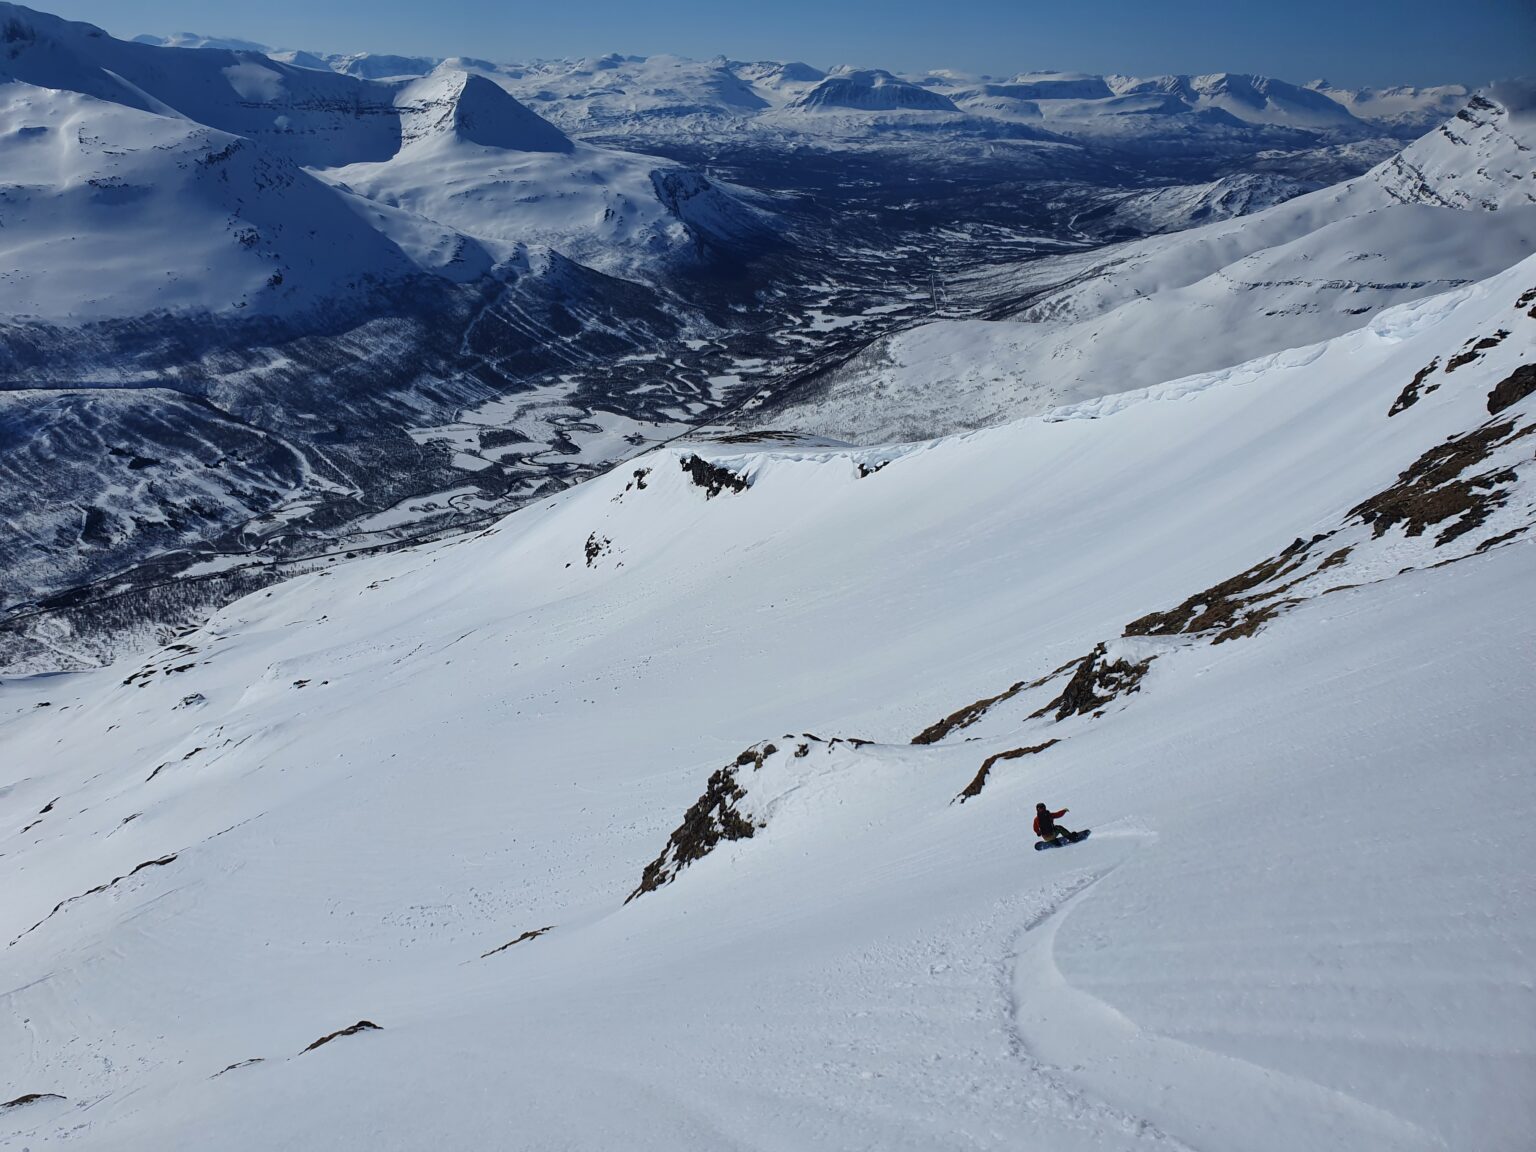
[93, 187]
[475, 160]
[217, 160]
[1304, 918]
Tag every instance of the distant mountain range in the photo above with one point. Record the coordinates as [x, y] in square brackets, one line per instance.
[603, 89]
[1451, 209]
[260, 306]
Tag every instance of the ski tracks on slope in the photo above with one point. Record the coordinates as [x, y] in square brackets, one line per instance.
[1145, 1083]
[1078, 1105]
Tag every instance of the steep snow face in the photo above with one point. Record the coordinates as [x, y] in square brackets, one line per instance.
[477, 161]
[417, 790]
[471, 109]
[872, 90]
[1301, 272]
[110, 211]
[1484, 158]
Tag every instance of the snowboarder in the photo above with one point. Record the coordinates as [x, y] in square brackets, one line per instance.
[1048, 830]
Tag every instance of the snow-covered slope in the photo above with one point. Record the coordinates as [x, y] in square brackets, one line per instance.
[1250, 99]
[871, 90]
[1179, 206]
[362, 846]
[475, 160]
[1176, 110]
[643, 96]
[307, 115]
[111, 211]
[196, 154]
[1452, 208]
[469, 109]
[1404, 105]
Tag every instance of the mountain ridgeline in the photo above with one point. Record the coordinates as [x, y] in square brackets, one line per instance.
[262, 306]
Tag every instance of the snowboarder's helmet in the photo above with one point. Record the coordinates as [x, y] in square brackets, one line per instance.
[1041, 807]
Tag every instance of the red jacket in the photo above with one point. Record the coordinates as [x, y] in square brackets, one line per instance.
[1054, 816]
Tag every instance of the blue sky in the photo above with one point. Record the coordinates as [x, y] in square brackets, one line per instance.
[1374, 42]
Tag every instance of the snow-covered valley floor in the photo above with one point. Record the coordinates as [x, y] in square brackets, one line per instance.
[1305, 918]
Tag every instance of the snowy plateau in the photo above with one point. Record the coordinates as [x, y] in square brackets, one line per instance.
[540, 599]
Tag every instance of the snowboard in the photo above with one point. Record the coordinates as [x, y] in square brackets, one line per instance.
[1072, 838]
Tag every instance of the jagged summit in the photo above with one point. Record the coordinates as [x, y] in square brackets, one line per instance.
[467, 107]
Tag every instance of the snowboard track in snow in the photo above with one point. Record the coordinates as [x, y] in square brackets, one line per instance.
[1183, 1072]
[1079, 1102]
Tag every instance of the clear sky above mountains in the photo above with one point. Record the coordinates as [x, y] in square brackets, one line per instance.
[1375, 42]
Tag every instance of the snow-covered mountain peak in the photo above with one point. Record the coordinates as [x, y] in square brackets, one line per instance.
[799, 72]
[1055, 86]
[96, 186]
[198, 40]
[872, 89]
[466, 107]
[780, 79]
[313, 117]
[1404, 106]
[1483, 158]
